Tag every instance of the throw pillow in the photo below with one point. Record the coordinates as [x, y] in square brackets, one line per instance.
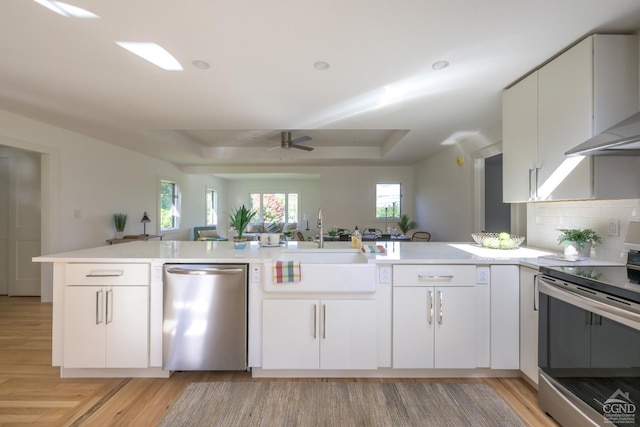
[273, 227]
[253, 228]
[208, 233]
[291, 227]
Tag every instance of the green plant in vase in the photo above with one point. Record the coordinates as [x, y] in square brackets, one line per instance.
[120, 220]
[405, 224]
[578, 242]
[239, 219]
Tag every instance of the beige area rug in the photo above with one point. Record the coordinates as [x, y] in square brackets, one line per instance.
[339, 404]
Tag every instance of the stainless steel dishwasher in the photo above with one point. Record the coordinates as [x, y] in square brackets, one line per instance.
[205, 317]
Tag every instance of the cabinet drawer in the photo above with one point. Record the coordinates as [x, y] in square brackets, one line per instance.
[434, 275]
[107, 274]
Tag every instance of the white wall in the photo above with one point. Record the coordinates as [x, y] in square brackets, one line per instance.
[544, 220]
[345, 194]
[87, 181]
[348, 194]
[445, 195]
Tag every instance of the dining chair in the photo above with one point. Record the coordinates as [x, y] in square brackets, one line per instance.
[421, 236]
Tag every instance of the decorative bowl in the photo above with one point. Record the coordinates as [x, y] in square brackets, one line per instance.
[498, 240]
[239, 245]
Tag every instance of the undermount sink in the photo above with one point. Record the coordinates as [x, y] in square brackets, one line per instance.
[325, 271]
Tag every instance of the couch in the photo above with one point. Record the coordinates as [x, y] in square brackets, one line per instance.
[208, 232]
[256, 228]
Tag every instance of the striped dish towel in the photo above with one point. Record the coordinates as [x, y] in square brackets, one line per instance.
[374, 249]
[286, 272]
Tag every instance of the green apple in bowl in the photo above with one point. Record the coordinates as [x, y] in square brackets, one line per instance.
[507, 243]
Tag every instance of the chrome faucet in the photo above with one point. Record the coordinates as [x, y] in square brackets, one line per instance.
[321, 240]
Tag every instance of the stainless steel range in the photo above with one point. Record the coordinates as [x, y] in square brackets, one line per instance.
[589, 344]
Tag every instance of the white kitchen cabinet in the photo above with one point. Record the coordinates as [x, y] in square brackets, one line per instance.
[319, 334]
[106, 316]
[588, 88]
[434, 317]
[505, 317]
[520, 139]
[529, 323]
[434, 327]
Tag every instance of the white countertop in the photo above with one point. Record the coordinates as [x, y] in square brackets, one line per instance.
[223, 252]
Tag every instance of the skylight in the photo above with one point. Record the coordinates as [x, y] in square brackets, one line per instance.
[67, 10]
[153, 53]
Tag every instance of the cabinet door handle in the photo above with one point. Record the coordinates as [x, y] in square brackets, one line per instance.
[109, 306]
[324, 321]
[441, 311]
[106, 273]
[535, 289]
[430, 302]
[315, 321]
[98, 307]
[435, 277]
[533, 183]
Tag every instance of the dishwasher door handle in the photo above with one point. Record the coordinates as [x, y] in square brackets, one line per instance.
[204, 271]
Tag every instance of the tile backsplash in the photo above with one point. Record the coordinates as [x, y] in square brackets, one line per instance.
[544, 220]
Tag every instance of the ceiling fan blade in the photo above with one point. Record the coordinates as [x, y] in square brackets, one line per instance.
[302, 147]
[301, 139]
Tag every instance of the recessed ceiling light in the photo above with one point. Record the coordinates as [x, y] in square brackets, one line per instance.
[321, 65]
[198, 63]
[67, 10]
[440, 65]
[153, 53]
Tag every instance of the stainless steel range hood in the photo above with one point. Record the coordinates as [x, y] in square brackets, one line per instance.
[622, 139]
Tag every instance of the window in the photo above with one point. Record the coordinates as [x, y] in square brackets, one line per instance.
[388, 201]
[211, 206]
[169, 205]
[275, 207]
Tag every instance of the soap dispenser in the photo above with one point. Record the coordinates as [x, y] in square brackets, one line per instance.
[356, 239]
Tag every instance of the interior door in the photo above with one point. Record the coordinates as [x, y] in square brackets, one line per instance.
[4, 225]
[24, 226]
[20, 218]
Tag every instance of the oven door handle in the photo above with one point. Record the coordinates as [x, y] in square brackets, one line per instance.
[616, 314]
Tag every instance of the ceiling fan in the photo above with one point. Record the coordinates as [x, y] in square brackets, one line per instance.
[286, 142]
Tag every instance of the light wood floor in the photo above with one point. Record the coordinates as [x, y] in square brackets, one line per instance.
[32, 394]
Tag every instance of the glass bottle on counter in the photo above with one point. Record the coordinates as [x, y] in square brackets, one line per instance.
[356, 239]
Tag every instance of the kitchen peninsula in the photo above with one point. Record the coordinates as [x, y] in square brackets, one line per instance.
[470, 296]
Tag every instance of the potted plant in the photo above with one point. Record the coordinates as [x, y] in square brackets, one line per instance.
[239, 220]
[120, 221]
[578, 242]
[405, 224]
